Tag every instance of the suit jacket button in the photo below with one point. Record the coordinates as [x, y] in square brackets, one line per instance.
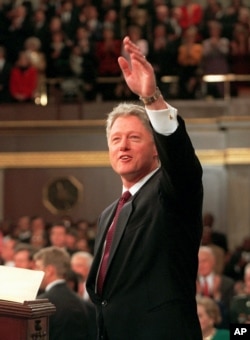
[104, 303]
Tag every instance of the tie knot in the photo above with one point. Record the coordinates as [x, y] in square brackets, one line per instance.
[125, 196]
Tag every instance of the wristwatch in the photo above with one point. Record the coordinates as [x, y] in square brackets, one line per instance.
[152, 99]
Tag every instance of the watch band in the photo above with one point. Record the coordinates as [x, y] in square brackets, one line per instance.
[152, 99]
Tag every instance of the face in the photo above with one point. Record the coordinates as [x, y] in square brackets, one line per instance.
[37, 224]
[132, 150]
[80, 266]
[58, 236]
[21, 260]
[23, 60]
[8, 250]
[82, 244]
[206, 321]
[23, 223]
[206, 263]
[247, 282]
[40, 266]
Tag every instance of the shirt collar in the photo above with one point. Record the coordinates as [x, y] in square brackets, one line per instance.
[54, 283]
[137, 186]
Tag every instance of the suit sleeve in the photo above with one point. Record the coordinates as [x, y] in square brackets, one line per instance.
[182, 171]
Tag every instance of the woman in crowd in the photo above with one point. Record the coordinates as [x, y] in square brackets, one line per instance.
[23, 79]
[209, 316]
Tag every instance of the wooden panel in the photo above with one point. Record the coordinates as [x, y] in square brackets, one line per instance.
[23, 191]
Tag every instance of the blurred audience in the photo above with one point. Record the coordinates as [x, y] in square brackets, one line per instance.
[71, 240]
[240, 304]
[215, 237]
[239, 258]
[39, 237]
[239, 55]
[210, 317]
[32, 46]
[19, 29]
[213, 11]
[23, 256]
[23, 79]
[58, 235]
[40, 27]
[216, 240]
[163, 51]
[217, 286]
[23, 229]
[215, 57]
[81, 262]
[71, 32]
[71, 319]
[191, 14]
[8, 250]
[107, 51]
[189, 60]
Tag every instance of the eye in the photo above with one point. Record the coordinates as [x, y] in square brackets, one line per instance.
[115, 139]
[134, 137]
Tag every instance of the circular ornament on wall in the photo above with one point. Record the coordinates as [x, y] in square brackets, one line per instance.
[62, 194]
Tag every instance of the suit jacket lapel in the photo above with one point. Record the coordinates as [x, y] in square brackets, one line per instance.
[105, 222]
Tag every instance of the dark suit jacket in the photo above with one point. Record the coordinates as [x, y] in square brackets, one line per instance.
[149, 291]
[72, 319]
[240, 309]
[227, 293]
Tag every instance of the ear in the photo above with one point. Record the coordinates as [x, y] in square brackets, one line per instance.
[50, 270]
[155, 152]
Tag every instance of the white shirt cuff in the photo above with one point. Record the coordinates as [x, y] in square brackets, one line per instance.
[164, 121]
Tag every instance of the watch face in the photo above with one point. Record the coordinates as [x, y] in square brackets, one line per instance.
[62, 194]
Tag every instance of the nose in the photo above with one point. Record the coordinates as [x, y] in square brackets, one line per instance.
[124, 145]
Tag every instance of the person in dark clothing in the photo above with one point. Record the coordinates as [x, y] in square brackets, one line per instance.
[72, 319]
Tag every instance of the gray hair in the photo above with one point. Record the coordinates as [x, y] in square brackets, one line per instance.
[208, 250]
[84, 255]
[124, 110]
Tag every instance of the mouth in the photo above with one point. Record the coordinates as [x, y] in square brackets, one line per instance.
[125, 158]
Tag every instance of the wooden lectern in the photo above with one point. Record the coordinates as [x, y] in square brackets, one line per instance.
[25, 321]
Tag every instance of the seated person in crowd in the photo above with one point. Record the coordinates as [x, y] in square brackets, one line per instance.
[81, 262]
[8, 249]
[239, 258]
[189, 60]
[240, 306]
[23, 256]
[58, 235]
[72, 318]
[217, 286]
[215, 57]
[107, 52]
[23, 79]
[209, 316]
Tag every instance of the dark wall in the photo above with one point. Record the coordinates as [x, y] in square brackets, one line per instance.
[23, 192]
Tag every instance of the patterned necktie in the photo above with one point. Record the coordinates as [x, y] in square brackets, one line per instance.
[109, 237]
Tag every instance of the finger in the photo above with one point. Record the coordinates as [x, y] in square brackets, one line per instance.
[124, 66]
[130, 47]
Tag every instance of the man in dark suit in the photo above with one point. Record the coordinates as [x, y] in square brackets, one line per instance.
[217, 286]
[73, 319]
[149, 283]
